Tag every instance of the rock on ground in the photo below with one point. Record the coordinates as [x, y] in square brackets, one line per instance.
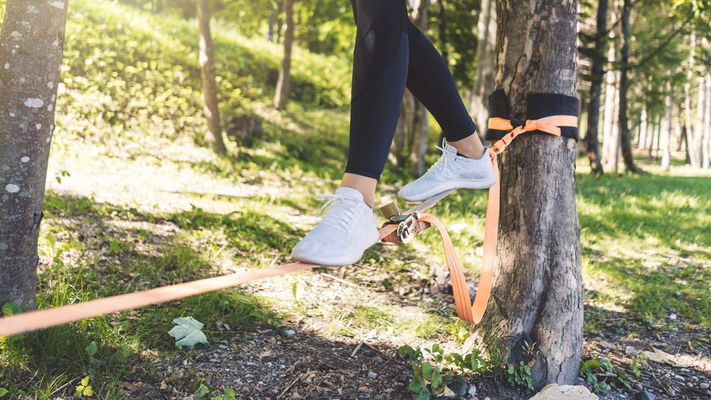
[564, 392]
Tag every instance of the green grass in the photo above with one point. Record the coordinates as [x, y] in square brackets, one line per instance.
[130, 110]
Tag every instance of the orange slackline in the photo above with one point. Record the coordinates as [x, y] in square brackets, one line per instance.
[40, 319]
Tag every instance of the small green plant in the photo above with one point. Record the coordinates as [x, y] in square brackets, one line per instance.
[91, 349]
[84, 389]
[436, 372]
[10, 308]
[3, 391]
[227, 394]
[601, 374]
[519, 375]
[637, 364]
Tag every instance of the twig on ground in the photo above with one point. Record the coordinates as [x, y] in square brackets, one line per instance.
[289, 386]
[356, 349]
[335, 278]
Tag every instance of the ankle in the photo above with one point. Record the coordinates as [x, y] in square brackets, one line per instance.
[469, 149]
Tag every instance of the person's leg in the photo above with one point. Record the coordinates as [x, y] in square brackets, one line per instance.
[430, 80]
[380, 63]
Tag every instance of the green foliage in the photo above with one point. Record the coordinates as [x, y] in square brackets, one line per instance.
[601, 374]
[91, 349]
[453, 31]
[10, 308]
[519, 375]
[128, 72]
[435, 371]
[84, 389]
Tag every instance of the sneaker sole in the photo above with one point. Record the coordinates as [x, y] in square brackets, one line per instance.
[451, 185]
[332, 262]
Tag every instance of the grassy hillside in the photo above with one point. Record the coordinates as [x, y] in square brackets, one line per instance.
[136, 201]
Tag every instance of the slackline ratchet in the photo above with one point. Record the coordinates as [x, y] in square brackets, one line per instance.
[400, 227]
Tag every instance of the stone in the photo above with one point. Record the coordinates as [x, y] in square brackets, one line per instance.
[644, 395]
[704, 385]
[472, 390]
[372, 375]
[632, 351]
[564, 392]
[289, 332]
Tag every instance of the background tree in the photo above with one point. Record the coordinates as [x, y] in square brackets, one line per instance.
[209, 88]
[485, 62]
[536, 311]
[284, 82]
[597, 56]
[411, 135]
[27, 99]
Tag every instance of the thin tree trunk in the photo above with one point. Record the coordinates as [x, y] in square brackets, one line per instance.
[643, 127]
[31, 47]
[485, 55]
[211, 106]
[284, 82]
[609, 134]
[694, 138]
[272, 21]
[443, 31]
[410, 142]
[665, 139]
[625, 134]
[705, 121]
[592, 144]
[536, 301]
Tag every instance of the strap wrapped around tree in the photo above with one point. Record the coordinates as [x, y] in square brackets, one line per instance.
[539, 106]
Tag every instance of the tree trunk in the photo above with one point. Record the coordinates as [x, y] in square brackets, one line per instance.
[535, 314]
[411, 135]
[643, 127]
[610, 141]
[31, 46]
[284, 83]
[625, 134]
[211, 106]
[272, 21]
[486, 56]
[705, 120]
[443, 32]
[592, 145]
[665, 137]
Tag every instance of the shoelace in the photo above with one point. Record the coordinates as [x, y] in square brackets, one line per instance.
[331, 218]
[443, 163]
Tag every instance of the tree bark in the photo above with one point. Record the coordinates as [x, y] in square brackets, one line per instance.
[665, 137]
[535, 314]
[485, 55]
[31, 47]
[610, 142]
[592, 144]
[284, 82]
[410, 142]
[625, 134]
[705, 121]
[643, 127]
[211, 106]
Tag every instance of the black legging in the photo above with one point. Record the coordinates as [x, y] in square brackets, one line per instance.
[390, 53]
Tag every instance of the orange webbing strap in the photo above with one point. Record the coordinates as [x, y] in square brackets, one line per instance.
[40, 319]
[474, 312]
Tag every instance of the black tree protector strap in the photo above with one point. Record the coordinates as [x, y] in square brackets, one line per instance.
[538, 105]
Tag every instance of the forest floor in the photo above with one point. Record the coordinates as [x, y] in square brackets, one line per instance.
[122, 217]
[134, 203]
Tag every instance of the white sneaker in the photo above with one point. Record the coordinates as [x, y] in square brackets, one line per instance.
[451, 171]
[346, 230]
